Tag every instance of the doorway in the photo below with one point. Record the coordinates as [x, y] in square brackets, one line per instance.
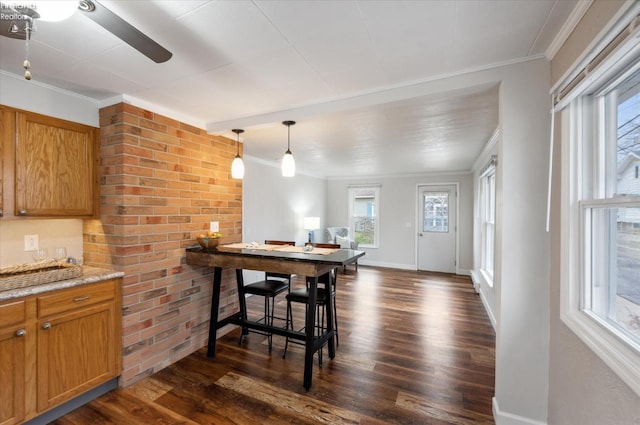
[437, 227]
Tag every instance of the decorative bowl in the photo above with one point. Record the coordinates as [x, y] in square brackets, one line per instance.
[208, 242]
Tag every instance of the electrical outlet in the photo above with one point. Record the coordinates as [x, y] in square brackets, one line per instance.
[214, 226]
[30, 242]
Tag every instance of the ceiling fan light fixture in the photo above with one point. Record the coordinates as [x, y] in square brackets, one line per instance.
[237, 166]
[288, 163]
[55, 11]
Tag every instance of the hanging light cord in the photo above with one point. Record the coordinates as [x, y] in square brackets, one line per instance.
[26, 64]
[288, 124]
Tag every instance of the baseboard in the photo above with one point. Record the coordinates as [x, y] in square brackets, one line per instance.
[505, 418]
[463, 272]
[492, 318]
[387, 265]
[73, 404]
[475, 280]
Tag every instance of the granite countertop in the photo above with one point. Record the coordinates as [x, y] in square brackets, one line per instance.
[89, 275]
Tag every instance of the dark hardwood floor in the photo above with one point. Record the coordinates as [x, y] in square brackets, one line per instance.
[415, 348]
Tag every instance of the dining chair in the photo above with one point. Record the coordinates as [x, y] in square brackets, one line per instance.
[301, 295]
[272, 285]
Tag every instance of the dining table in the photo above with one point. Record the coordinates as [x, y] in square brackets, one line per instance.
[294, 260]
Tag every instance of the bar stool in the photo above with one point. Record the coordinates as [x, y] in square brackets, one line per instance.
[328, 288]
[272, 285]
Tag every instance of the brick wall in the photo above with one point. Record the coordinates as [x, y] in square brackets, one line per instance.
[162, 182]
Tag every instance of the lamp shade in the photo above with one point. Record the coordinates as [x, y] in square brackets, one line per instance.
[311, 223]
[237, 168]
[288, 164]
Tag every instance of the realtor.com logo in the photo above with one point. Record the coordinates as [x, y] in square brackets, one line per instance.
[16, 11]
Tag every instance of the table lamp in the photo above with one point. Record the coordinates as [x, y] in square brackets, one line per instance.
[310, 224]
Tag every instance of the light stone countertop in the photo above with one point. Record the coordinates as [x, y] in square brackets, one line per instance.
[89, 275]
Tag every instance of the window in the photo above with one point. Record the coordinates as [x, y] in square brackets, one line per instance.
[488, 219]
[611, 210]
[601, 301]
[436, 212]
[363, 215]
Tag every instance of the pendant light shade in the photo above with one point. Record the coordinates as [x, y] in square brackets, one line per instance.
[288, 163]
[237, 166]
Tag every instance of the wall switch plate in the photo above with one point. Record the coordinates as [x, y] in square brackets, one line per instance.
[30, 242]
[214, 226]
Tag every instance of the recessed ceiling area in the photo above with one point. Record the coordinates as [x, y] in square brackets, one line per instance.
[253, 64]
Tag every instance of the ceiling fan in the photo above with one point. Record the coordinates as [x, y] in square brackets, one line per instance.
[17, 22]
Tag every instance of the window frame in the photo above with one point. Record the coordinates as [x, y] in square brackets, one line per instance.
[488, 209]
[583, 126]
[376, 228]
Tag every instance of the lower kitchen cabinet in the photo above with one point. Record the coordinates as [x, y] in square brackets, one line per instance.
[71, 344]
[13, 337]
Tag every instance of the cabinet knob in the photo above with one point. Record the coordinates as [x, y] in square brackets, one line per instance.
[46, 325]
[21, 332]
[22, 212]
[1, 212]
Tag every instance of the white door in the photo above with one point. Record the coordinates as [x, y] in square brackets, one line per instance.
[437, 228]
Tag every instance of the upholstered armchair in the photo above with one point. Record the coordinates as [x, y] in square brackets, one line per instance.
[340, 236]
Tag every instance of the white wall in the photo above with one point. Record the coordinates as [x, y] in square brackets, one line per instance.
[398, 215]
[522, 287]
[34, 96]
[275, 206]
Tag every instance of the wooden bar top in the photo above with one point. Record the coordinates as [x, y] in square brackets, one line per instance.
[300, 263]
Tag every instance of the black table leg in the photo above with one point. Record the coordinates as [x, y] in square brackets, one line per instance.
[215, 304]
[241, 299]
[310, 327]
[328, 288]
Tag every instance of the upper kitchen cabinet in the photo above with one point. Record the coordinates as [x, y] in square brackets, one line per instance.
[50, 166]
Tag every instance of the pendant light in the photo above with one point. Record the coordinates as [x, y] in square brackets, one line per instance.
[237, 166]
[288, 164]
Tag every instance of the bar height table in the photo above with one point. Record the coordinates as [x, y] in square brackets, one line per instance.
[298, 263]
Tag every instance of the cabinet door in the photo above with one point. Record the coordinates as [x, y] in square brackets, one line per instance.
[6, 131]
[13, 334]
[77, 351]
[55, 167]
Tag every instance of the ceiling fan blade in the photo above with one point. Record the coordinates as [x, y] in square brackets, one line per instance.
[124, 31]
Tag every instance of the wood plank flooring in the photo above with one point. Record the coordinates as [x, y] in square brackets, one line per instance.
[415, 348]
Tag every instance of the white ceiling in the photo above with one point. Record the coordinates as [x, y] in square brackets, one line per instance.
[335, 67]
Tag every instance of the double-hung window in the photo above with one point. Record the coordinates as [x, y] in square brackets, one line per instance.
[488, 219]
[601, 217]
[364, 204]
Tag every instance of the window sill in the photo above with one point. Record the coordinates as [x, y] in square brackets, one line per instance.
[621, 357]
